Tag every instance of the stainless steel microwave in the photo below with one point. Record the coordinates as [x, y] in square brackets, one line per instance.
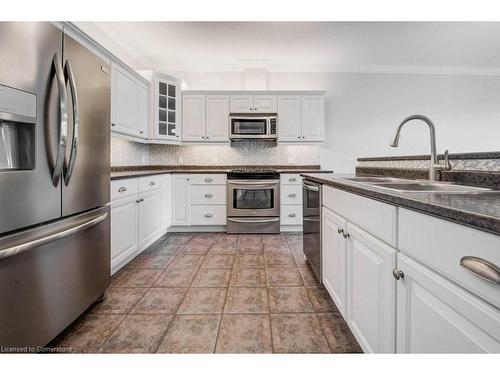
[253, 126]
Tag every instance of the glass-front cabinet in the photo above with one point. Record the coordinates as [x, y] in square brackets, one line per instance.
[167, 109]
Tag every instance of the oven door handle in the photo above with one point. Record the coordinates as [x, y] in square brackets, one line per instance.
[256, 183]
[272, 220]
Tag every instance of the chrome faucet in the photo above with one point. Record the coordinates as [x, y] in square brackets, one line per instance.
[435, 166]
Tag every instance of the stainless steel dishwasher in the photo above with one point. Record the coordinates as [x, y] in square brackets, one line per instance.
[311, 219]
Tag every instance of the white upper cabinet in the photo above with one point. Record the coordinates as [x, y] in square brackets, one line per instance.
[289, 119]
[261, 103]
[313, 118]
[143, 109]
[217, 118]
[241, 104]
[193, 118]
[265, 103]
[167, 109]
[205, 118]
[127, 103]
[301, 118]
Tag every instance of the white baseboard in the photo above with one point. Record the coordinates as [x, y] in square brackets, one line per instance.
[196, 228]
[291, 228]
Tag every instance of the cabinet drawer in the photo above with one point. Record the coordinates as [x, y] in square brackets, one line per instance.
[208, 215]
[124, 188]
[149, 183]
[440, 245]
[375, 217]
[291, 194]
[208, 179]
[208, 195]
[291, 215]
[291, 179]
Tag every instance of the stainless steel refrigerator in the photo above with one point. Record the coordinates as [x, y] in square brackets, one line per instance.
[54, 181]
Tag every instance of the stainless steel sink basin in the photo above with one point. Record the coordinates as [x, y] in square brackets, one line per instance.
[416, 186]
[438, 187]
[371, 180]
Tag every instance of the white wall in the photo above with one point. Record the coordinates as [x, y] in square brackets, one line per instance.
[363, 110]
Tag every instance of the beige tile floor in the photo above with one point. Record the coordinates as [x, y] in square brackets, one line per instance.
[214, 293]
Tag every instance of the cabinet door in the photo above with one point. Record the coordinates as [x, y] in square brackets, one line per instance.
[265, 103]
[313, 118]
[150, 217]
[180, 200]
[143, 110]
[289, 120]
[334, 254]
[241, 104]
[167, 110]
[371, 291]
[124, 227]
[436, 316]
[217, 118]
[193, 118]
[124, 102]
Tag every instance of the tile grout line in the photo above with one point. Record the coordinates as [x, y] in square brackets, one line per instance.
[175, 314]
[224, 304]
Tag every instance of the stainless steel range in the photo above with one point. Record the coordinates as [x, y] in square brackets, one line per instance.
[253, 201]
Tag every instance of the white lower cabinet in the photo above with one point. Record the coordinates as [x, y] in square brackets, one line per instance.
[140, 212]
[335, 258]
[180, 199]
[151, 218]
[124, 234]
[435, 316]
[371, 291]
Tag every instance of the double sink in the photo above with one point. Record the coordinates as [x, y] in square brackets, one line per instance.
[416, 186]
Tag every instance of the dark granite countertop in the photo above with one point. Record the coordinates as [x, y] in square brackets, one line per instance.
[138, 171]
[479, 211]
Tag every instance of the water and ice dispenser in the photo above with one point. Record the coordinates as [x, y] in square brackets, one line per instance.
[17, 129]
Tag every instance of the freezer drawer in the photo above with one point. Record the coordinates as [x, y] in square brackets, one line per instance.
[46, 287]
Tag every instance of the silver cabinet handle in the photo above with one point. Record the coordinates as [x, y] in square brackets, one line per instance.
[208, 195]
[253, 220]
[250, 108]
[346, 235]
[141, 132]
[152, 183]
[139, 200]
[292, 215]
[398, 274]
[63, 125]
[207, 137]
[292, 195]
[17, 249]
[255, 109]
[245, 182]
[208, 215]
[481, 268]
[208, 179]
[292, 179]
[340, 231]
[122, 189]
[76, 123]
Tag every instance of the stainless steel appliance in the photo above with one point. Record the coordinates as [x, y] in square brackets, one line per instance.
[54, 181]
[253, 126]
[253, 202]
[311, 212]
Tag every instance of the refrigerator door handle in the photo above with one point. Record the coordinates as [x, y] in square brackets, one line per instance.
[63, 126]
[68, 168]
[51, 237]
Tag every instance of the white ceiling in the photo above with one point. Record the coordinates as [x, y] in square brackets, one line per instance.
[303, 46]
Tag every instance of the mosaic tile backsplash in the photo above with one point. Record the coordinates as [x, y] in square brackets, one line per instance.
[125, 153]
[463, 164]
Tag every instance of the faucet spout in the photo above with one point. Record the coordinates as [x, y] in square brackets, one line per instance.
[435, 166]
